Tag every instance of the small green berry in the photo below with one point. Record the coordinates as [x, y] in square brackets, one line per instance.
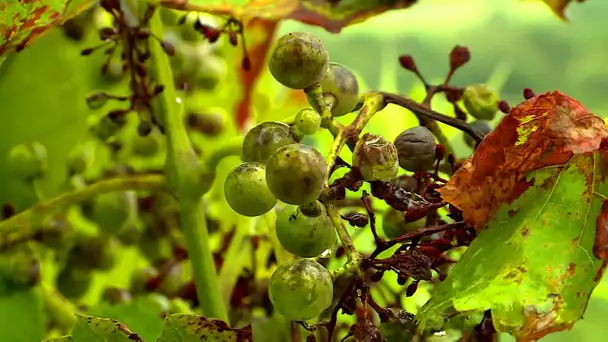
[295, 174]
[299, 60]
[28, 161]
[481, 101]
[246, 190]
[308, 121]
[79, 160]
[394, 225]
[376, 158]
[263, 140]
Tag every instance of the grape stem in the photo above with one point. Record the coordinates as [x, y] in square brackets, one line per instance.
[184, 180]
[26, 218]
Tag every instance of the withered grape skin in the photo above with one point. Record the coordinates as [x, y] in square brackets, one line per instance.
[295, 174]
[394, 225]
[304, 235]
[416, 148]
[301, 289]
[480, 126]
[308, 121]
[263, 140]
[298, 60]
[340, 83]
[376, 158]
[481, 101]
[246, 190]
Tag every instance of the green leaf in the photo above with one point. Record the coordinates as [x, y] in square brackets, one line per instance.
[95, 329]
[184, 327]
[24, 21]
[534, 265]
[331, 15]
[22, 316]
[137, 314]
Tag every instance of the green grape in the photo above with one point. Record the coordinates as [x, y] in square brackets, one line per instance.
[308, 121]
[19, 267]
[111, 210]
[246, 190]
[210, 71]
[301, 289]
[394, 225]
[55, 232]
[147, 146]
[211, 123]
[73, 283]
[154, 247]
[140, 279]
[480, 126]
[416, 149]
[481, 101]
[106, 128]
[131, 233]
[305, 234]
[172, 281]
[342, 87]
[156, 303]
[298, 60]
[79, 160]
[116, 295]
[28, 161]
[93, 252]
[376, 158]
[178, 305]
[263, 140]
[295, 174]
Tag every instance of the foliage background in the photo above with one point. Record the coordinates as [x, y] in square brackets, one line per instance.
[514, 44]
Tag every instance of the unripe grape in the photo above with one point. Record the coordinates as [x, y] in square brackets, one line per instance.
[299, 60]
[93, 252]
[73, 283]
[295, 174]
[140, 279]
[210, 123]
[246, 190]
[147, 146]
[416, 149]
[263, 140]
[178, 305]
[302, 233]
[155, 303]
[308, 121]
[79, 160]
[481, 101]
[28, 161]
[480, 126]
[210, 72]
[116, 295]
[111, 210]
[376, 158]
[341, 84]
[301, 289]
[394, 225]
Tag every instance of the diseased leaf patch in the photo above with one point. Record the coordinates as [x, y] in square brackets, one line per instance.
[95, 329]
[534, 264]
[23, 21]
[535, 188]
[184, 327]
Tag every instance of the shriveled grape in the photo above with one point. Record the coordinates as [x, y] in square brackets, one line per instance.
[263, 140]
[295, 174]
[376, 158]
[303, 234]
[301, 289]
[416, 148]
[246, 190]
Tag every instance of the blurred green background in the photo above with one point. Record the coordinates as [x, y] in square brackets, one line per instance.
[514, 44]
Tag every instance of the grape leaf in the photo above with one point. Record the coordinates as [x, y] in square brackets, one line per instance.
[559, 6]
[23, 21]
[331, 15]
[184, 327]
[96, 329]
[542, 253]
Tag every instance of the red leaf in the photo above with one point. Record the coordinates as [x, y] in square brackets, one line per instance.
[257, 62]
[24, 21]
[546, 130]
